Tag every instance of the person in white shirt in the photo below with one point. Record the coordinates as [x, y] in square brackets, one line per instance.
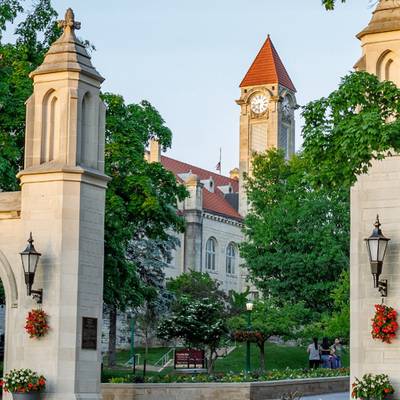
[314, 354]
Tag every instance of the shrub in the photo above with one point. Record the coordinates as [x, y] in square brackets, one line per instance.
[23, 381]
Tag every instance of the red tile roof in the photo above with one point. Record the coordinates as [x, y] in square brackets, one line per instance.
[179, 167]
[267, 68]
[212, 202]
[216, 204]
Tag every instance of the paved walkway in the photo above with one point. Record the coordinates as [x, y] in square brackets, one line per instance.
[332, 396]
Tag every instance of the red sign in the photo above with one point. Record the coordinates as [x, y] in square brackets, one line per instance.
[189, 358]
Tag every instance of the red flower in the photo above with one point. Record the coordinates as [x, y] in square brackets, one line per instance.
[384, 324]
[36, 323]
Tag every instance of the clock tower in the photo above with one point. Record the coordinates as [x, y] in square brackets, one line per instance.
[267, 103]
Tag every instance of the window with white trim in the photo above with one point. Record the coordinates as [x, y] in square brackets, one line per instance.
[230, 258]
[211, 253]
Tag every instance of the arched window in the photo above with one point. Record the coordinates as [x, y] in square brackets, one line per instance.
[211, 252]
[283, 139]
[389, 70]
[230, 258]
[385, 67]
[88, 142]
[50, 133]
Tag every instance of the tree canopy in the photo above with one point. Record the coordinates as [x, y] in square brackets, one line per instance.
[196, 286]
[141, 197]
[297, 237]
[268, 320]
[355, 124]
[200, 324]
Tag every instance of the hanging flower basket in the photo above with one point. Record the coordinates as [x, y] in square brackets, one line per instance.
[247, 336]
[36, 323]
[384, 323]
[24, 384]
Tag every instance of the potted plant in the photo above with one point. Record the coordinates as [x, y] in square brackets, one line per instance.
[24, 384]
[372, 387]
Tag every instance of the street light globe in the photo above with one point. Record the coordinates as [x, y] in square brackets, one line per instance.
[249, 306]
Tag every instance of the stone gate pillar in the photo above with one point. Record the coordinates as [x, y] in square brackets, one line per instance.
[62, 203]
[377, 192]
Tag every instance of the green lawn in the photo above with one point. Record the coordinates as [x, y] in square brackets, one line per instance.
[277, 357]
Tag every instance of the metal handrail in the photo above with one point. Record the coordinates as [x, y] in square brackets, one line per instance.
[130, 361]
[166, 358]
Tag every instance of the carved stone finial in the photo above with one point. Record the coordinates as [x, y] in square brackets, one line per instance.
[69, 21]
[377, 222]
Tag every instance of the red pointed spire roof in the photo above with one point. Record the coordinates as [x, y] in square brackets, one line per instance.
[267, 68]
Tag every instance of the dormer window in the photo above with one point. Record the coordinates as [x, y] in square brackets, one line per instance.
[209, 184]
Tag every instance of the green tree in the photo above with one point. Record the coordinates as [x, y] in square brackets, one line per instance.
[151, 257]
[334, 324]
[141, 200]
[200, 324]
[338, 324]
[297, 237]
[354, 125]
[197, 286]
[268, 320]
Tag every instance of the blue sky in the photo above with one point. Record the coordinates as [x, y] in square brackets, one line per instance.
[188, 57]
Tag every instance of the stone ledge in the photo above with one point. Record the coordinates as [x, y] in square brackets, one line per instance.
[224, 391]
[10, 205]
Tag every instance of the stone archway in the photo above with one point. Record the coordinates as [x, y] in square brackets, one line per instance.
[11, 294]
[8, 278]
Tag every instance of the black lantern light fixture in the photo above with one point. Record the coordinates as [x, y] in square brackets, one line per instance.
[377, 245]
[30, 258]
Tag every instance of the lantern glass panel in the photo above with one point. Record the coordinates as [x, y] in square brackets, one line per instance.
[29, 262]
[373, 249]
[249, 306]
[382, 249]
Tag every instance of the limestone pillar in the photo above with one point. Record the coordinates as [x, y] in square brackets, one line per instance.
[62, 204]
[193, 209]
[377, 192]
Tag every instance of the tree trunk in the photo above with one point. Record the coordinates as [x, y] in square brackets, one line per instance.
[210, 361]
[261, 346]
[112, 337]
[146, 343]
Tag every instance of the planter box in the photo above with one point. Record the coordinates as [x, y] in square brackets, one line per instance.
[26, 396]
[224, 391]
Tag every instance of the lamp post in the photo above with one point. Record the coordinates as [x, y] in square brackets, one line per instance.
[376, 246]
[249, 308]
[30, 258]
[133, 357]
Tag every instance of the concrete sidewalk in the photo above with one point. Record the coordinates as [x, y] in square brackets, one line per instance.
[332, 396]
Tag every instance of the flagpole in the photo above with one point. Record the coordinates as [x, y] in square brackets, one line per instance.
[220, 160]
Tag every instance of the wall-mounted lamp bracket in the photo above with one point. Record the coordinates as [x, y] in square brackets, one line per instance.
[383, 287]
[37, 295]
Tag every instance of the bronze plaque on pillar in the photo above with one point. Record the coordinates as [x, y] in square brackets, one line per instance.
[89, 333]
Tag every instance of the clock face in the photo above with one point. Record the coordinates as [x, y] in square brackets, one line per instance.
[286, 107]
[259, 104]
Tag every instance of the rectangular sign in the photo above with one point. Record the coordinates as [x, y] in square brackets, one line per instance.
[89, 333]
